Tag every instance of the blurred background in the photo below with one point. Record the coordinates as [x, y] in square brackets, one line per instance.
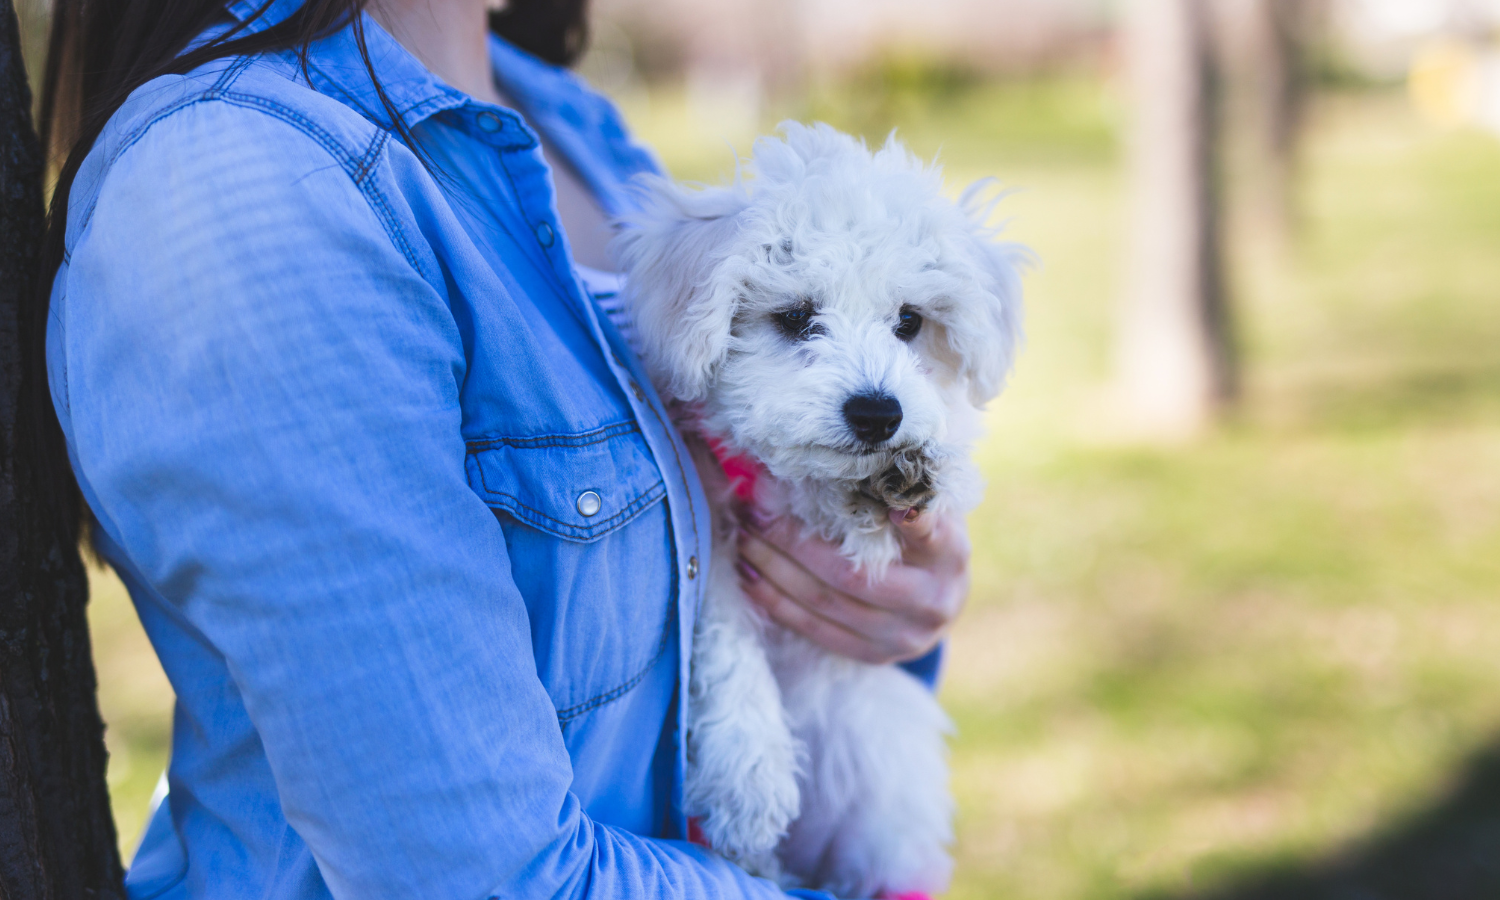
[1235, 627]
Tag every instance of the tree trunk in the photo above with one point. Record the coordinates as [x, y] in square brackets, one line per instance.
[57, 838]
[1175, 354]
[1279, 85]
[1264, 41]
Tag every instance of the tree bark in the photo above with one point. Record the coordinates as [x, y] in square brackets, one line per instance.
[57, 837]
[1264, 42]
[1176, 361]
[1279, 84]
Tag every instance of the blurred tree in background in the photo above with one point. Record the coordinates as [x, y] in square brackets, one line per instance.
[1267, 48]
[57, 834]
[1206, 76]
[1176, 352]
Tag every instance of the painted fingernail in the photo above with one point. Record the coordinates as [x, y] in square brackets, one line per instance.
[905, 516]
[747, 571]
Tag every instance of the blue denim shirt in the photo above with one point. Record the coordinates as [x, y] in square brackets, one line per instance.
[407, 525]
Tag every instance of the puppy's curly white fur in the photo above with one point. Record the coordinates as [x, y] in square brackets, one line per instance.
[836, 318]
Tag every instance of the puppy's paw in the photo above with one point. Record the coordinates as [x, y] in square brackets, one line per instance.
[745, 815]
[763, 865]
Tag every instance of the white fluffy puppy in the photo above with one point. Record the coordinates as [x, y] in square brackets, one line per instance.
[838, 320]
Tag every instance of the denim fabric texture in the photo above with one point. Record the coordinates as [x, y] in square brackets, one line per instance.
[336, 418]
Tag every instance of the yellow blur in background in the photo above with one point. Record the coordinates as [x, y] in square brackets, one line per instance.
[1455, 83]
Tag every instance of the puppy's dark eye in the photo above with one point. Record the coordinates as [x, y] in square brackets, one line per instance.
[910, 324]
[796, 322]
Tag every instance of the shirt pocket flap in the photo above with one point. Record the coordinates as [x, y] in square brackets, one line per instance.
[579, 487]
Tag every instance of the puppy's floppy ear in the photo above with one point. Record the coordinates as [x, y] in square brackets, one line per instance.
[986, 333]
[671, 248]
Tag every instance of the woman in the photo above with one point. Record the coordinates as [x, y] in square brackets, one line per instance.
[411, 533]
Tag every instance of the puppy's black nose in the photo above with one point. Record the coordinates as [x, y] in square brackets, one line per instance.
[873, 417]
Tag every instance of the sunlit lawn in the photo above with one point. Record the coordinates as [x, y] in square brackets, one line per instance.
[1183, 663]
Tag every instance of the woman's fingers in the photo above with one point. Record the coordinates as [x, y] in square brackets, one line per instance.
[826, 565]
[929, 540]
[791, 585]
[801, 584]
[794, 616]
[785, 571]
[805, 584]
[941, 552]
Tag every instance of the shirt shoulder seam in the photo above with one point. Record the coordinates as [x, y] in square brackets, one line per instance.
[358, 166]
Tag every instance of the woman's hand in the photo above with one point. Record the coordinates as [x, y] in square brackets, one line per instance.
[804, 584]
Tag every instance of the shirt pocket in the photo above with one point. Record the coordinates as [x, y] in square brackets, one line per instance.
[578, 487]
[590, 548]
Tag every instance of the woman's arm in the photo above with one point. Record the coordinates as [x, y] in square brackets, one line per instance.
[261, 372]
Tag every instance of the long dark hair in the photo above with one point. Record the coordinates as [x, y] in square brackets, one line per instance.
[99, 52]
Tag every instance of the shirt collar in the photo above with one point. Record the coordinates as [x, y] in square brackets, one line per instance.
[579, 123]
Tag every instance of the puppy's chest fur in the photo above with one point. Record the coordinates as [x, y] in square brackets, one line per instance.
[806, 767]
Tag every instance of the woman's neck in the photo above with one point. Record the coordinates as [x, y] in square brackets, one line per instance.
[447, 36]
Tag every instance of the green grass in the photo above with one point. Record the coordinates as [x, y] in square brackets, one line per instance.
[1181, 664]
[136, 702]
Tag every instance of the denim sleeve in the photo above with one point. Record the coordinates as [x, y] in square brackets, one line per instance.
[927, 669]
[264, 398]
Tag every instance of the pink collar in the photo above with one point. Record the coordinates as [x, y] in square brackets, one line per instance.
[743, 470]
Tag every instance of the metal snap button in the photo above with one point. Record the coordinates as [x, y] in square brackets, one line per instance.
[636, 389]
[692, 568]
[488, 121]
[544, 234]
[589, 503]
